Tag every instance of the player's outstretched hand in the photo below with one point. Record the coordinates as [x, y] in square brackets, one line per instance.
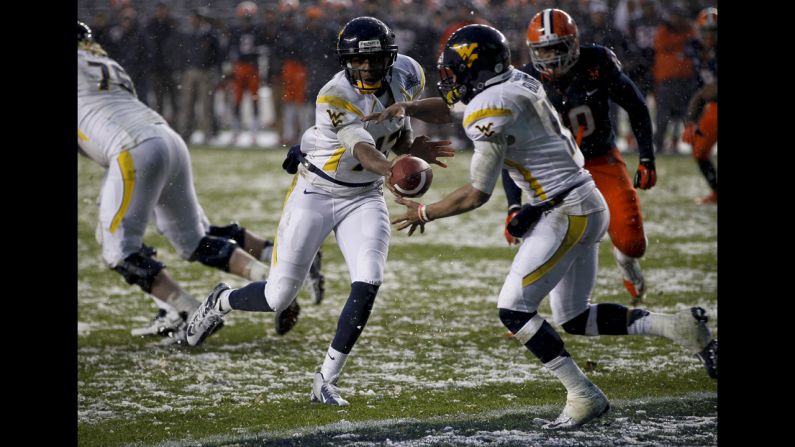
[411, 218]
[394, 112]
[422, 147]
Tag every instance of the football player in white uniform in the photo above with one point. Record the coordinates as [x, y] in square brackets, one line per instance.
[341, 164]
[148, 172]
[512, 123]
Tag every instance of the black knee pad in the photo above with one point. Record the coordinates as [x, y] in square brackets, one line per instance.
[514, 320]
[215, 252]
[611, 319]
[139, 269]
[231, 231]
[577, 324]
[545, 344]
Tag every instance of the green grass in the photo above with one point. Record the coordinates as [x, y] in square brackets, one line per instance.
[432, 361]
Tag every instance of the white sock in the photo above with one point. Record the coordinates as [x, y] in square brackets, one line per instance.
[267, 254]
[651, 324]
[162, 304]
[568, 373]
[332, 364]
[222, 304]
[183, 301]
[257, 271]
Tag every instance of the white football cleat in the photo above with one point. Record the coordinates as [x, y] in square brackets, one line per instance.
[206, 319]
[326, 391]
[688, 328]
[581, 407]
[163, 324]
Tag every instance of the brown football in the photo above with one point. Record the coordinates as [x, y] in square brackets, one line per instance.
[411, 176]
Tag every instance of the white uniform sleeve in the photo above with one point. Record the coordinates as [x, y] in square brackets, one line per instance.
[487, 163]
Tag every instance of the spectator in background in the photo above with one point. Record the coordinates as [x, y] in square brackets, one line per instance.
[246, 45]
[202, 58]
[164, 41]
[101, 26]
[271, 24]
[321, 55]
[131, 49]
[601, 32]
[640, 59]
[674, 76]
[290, 45]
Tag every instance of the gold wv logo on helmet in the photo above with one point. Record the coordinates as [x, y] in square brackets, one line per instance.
[465, 50]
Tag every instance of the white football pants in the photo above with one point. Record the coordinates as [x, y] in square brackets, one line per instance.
[360, 224]
[153, 177]
[559, 257]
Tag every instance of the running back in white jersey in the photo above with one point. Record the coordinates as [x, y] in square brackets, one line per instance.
[110, 118]
[541, 155]
[340, 105]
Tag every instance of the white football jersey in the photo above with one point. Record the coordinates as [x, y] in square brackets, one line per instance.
[110, 118]
[541, 156]
[338, 105]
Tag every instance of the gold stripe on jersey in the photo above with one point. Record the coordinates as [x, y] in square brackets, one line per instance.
[284, 205]
[81, 136]
[127, 167]
[528, 176]
[483, 113]
[333, 163]
[406, 94]
[339, 103]
[577, 225]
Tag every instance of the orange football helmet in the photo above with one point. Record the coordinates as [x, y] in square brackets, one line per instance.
[553, 42]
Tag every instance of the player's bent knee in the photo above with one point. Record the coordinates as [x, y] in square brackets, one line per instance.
[139, 269]
[578, 324]
[281, 291]
[513, 319]
[215, 252]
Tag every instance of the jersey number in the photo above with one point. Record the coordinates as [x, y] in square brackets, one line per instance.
[379, 143]
[121, 77]
[581, 116]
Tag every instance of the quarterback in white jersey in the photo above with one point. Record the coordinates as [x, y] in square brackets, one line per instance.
[513, 124]
[148, 172]
[340, 164]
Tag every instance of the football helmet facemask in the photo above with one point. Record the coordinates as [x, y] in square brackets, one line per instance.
[553, 42]
[475, 57]
[366, 49]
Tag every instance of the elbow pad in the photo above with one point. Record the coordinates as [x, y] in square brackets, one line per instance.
[348, 136]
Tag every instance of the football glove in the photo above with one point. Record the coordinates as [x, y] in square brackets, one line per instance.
[646, 175]
[508, 236]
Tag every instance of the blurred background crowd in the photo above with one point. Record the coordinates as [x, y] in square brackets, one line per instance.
[231, 73]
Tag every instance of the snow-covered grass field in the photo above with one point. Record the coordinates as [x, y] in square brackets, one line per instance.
[431, 368]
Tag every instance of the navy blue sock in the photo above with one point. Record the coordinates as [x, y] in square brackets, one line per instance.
[250, 298]
[354, 316]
